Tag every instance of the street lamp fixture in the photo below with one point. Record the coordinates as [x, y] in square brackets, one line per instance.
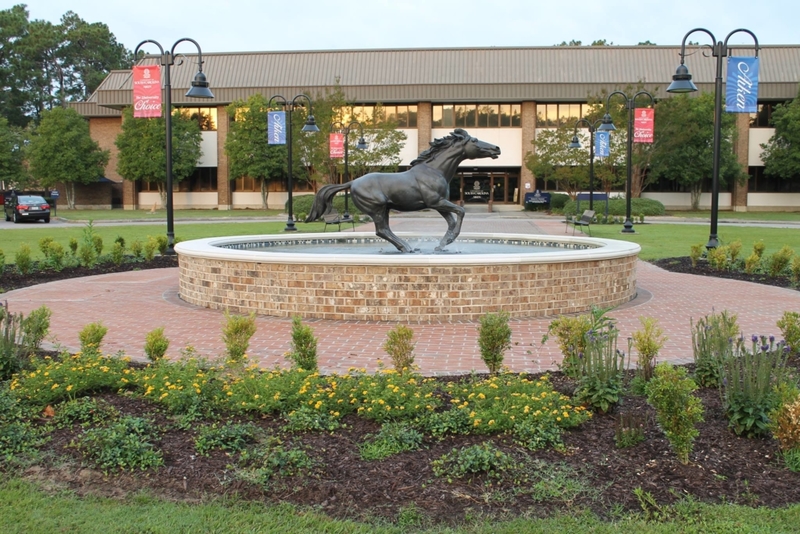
[309, 126]
[576, 143]
[198, 89]
[608, 125]
[362, 145]
[682, 83]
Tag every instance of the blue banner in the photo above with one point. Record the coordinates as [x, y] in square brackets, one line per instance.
[276, 128]
[741, 87]
[602, 139]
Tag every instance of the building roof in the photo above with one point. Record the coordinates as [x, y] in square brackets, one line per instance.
[453, 74]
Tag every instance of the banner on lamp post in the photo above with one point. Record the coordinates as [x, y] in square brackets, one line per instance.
[643, 125]
[337, 145]
[741, 87]
[146, 91]
[276, 128]
[602, 140]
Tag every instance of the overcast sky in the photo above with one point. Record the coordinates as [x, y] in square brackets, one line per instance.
[261, 25]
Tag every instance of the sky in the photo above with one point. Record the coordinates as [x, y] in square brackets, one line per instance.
[261, 25]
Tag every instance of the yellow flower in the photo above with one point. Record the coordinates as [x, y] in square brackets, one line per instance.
[54, 386]
[69, 387]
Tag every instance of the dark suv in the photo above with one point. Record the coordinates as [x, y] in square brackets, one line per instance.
[25, 207]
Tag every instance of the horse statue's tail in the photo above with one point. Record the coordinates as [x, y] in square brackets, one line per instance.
[323, 198]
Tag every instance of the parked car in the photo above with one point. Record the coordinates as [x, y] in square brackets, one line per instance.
[26, 207]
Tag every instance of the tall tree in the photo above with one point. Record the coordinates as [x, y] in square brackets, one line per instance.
[554, 160]
[683, 149]
[249, 153]
[143, 153]
[782, 153]
[62, 151]
[12, 170]
[13, 102]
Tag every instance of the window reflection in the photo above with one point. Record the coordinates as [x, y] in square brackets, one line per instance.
[477, 115]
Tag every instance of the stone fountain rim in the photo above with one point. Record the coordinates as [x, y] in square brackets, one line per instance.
[603, 249]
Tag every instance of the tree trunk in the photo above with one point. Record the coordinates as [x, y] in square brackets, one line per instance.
[696, 190]
[162, 192]
[264, 194]
[70, 190]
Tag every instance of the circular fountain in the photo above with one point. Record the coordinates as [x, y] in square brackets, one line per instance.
[358, 276]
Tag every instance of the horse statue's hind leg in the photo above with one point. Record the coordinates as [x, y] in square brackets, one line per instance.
[454, 215]
[381, 219]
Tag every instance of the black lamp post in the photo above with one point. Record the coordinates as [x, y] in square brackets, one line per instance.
[199, 89]
[630, 103]
[577, 144]
[309, 126]
[362, 145]
[682, 83]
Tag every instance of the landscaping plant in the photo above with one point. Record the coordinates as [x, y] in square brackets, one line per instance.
[571, 334]
[712, 343]
[750, 379]
[91, 337]
[303, 348]
[629, 430]
[695, 253]
[35, 328]
[156, 343]
[399, 345]
[789, 325]
[236, 334]
[22, 259]
[11, 347]
[779, 261]
[494, 339]
[602, 367]
[678, 411]
[393, 438]
[647, 342]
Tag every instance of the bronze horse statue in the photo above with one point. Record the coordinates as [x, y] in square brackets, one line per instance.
[425, 185]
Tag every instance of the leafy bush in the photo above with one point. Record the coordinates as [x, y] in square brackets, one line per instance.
[734, 249]
[789, 324]
[558, 201]
[73, 246]
[571, 334]
[150, 248]
[393, 438]
[117, 253]
[303, 348]
[494, 339]
[84, 411]
[601, 370]
[306, 418]
[752, 263]
[185, 387]
[230, 437]
[125, 444]
[399, 346]
[23, 260]
[2, 262]
[236, 334]
[18, 434]
[794, 267]
[779, 261]
[92, 336]
[55, 256]
[696, 253]
[718, 258]
[677, 410]
[785, 425]
[35, 327]
[11, 348]
[617, 207]
[136, 249]
[476, 459]
[647, 342]
[750, 379]
[155, 344]
[87, 255]
[301, 205]
[272, 459]
[712, 343]
[758, 249]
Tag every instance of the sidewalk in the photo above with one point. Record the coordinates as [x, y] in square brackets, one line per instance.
[134, 303]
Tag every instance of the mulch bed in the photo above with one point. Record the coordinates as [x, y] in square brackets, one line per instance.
[722, 468]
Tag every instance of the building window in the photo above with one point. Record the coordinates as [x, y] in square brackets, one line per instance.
[560, 114]
[246, 183]
[202, 180]
[205, 117]
[404, 115]
[477, 116]
[763, 117]
[761, 183]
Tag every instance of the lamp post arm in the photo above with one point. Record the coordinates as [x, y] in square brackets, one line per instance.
[683, 42]
[308, 99]
[755, 39]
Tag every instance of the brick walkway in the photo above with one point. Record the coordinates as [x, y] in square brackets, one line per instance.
[134, 303]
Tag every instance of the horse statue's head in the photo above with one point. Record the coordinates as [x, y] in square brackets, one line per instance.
[473, 148]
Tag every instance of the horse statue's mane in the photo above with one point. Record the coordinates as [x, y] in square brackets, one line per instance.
[437, 145]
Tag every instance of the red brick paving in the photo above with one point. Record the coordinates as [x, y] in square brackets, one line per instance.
[134, 303]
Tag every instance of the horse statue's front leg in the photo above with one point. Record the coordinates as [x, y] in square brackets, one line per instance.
[454, 215]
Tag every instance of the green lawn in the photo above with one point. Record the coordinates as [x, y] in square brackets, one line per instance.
[26, 508]
[161, 215]
[740, 215]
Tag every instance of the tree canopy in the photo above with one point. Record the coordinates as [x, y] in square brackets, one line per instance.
[782, 153]
[12, 170]
[62, 151]
[143, 154]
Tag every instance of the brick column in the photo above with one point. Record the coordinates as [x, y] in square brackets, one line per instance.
[424, 126]
[224, 194]
[526, 177]
[741, 148]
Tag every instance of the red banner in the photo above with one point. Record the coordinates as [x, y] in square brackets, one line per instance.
[643, 125]
[337, 145]
[146, 91]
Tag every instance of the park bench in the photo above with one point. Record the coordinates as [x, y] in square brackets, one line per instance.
[584, 222]
[334, 217]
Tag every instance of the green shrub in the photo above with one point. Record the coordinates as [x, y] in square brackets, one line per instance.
[789, 324]
[270, 459]
[87, 255]
[97, 243]
[137, 249]
[779, 261]
[150, 248]
[571, 334]
[44, 245]
[678, 411]
[617, 207]
[750, 381]
[85, 412]
[117, 253]
[236, 334]
[303, 348]
[696, 253]
[473, 460]
[601, 370]
[11, 349]
[55, 256]
[35, 327]
[647, 342]
[712, 343]
[758, 249]
[399, 345]
[119, 240]
[73, 246]
[126, 444]
[162, 244]
[18, 433]
[494, 339]
[392, 439]
[155, 344]
[785, 424]
[752, 263]
[558, 201]
[718, 258]
[734, 249]
[230, 437]
[2, 262]
[795, 268]
[91, 337]
[301, 205]
[22, 259]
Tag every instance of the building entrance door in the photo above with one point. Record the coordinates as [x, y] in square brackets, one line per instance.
[500, 187]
